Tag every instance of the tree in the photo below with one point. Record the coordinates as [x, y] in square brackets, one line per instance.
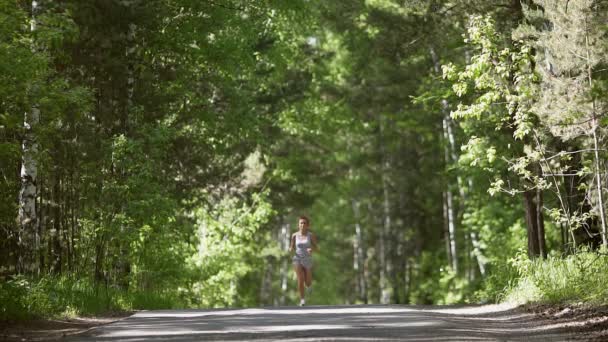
[570, 38]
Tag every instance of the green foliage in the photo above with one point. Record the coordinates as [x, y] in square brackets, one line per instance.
[439, 284]
[23, 298]
[228, 248]
[579, 277]
[495, 74]
[178, 141]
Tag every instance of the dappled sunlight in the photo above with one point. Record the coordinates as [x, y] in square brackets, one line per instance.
[275, 311]
[475, 310]
[266, 320]
[274, 162]
[355, 309]
[419, 323]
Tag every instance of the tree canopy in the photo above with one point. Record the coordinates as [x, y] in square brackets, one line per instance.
[163, 150]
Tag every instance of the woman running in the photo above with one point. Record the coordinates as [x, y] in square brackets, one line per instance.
[303, 242]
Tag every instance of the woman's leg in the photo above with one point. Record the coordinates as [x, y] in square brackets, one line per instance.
[308, 276]
[301, 278]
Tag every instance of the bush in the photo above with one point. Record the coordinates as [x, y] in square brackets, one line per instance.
[500, 277]
[12, 295]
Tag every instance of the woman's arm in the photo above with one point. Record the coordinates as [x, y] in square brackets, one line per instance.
[292, 243]
[315, 245]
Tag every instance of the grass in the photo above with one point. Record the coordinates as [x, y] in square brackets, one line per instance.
[580, 277]
[52, 297]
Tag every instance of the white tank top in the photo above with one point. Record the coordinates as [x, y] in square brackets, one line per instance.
[302, 244]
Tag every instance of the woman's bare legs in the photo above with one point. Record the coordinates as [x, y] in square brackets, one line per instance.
[308, 278]
[300, 273]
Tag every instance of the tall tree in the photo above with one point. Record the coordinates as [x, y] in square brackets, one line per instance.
[570, 38]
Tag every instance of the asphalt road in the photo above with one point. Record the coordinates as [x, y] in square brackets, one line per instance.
[332, 323]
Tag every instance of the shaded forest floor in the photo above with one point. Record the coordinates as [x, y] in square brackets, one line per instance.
[586, 322]
[53, 329]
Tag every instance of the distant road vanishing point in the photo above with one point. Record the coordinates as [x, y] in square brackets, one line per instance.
[332, 323]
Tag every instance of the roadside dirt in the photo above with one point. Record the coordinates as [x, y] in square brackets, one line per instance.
[52, 329]
[587, 322]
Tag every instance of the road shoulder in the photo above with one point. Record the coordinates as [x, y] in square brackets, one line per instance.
[53, 329]
[588, 322]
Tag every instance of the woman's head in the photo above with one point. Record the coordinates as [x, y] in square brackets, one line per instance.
[303, 222]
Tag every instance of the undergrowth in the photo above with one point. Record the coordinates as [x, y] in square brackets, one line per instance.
[23, 298]
[579, 277]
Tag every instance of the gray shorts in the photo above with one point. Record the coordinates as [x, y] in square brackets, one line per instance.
[306, 262]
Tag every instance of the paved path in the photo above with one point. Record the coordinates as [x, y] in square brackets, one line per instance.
[331, 323]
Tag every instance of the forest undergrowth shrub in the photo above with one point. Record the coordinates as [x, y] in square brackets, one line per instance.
[501, 276]
[580, 277]
[53, 296]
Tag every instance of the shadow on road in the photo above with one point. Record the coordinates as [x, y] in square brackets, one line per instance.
[348, 323]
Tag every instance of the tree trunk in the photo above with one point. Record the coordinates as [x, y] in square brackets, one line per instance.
[532, 221]
[385, 259]
[452, 230]
[598, 177]
[266, 285]
[285, 236]
[73, 206]
[40, 231]
[477, 253]
[449, 156]
[124, 263]
[540, 223]
[99, 259]
[598, 173]
[359, 255]
[56, 230]
[29, 174]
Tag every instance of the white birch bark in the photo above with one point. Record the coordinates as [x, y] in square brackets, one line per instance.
[598, 176]
[449, 154]
[285, 263]
[446, 230]
[29, 169]
[450, 198]
[386, 288]
[359, 255]
[598, 173]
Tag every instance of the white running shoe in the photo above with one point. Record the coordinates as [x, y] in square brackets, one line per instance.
[302, 302]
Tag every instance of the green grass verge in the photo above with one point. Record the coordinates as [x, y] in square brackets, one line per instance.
[580, 277]
[23, 298]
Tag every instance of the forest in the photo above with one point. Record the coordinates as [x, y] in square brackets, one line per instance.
[157, 154]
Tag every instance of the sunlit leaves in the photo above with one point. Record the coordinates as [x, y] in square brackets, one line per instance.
[227, 251]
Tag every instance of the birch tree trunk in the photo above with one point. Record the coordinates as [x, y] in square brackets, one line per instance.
[474, 237]
[29, 174]
[446, 230]
[42, 209]
[598, 173]
[450, 198]
[359, 255]
[386, 288]
[285, 236]
[55, 253]
[449, 211]
[449, 155]
[598, 177]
